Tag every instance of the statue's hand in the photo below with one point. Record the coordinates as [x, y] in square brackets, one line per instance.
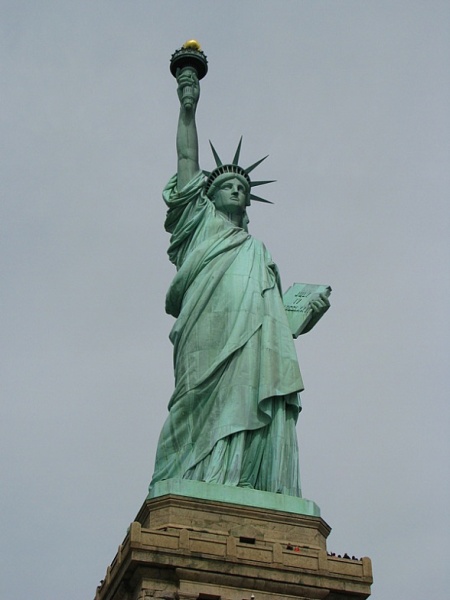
[188, 88]
[319, 305]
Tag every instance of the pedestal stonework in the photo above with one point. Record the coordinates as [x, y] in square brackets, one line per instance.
[181, 547]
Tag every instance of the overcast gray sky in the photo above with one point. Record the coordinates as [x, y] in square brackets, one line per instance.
[351, 100]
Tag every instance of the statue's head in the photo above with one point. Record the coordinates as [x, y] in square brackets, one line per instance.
[230, 188]
[219, 179]
[230, 193]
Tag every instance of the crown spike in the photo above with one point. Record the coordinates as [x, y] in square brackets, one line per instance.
[254, 165]
[256, 183]
[235, 160]
[216, 156]
[259, 199]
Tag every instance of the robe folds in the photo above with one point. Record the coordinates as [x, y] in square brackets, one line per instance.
[232, 414]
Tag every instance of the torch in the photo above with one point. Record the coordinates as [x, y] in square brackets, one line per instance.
[189, 56]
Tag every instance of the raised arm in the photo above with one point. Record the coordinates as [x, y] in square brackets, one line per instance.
[187, 142]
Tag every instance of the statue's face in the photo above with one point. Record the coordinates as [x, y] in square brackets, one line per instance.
[230, 196]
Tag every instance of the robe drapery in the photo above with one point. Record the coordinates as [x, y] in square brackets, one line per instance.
[233, 412]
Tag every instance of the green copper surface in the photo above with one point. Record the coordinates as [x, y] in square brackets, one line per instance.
[234, 495]
[236, 401]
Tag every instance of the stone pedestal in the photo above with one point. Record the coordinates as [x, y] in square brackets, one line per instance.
[182, 547]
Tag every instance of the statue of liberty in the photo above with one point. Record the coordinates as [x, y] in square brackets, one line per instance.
[233, 412]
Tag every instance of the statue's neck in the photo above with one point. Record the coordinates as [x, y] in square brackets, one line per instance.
[235, 218]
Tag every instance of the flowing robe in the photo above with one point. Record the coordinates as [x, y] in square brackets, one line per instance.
[233, 411]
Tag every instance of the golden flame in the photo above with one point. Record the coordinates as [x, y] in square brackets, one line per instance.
[192, 44]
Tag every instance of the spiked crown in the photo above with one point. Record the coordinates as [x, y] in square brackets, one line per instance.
[234, 168]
